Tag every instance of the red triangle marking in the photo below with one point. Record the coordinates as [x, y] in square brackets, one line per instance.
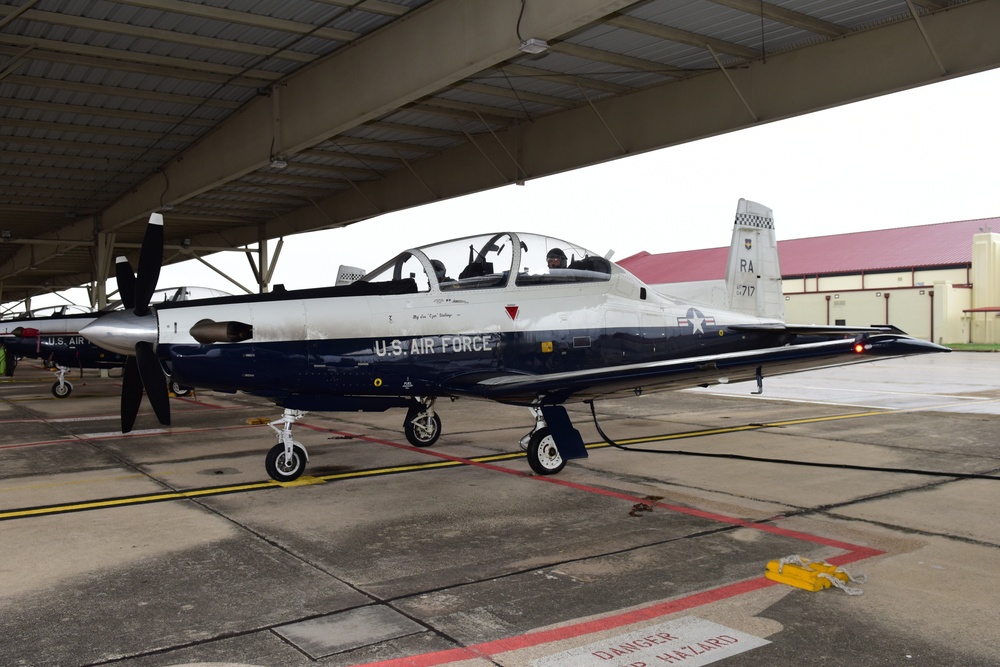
[511, 311]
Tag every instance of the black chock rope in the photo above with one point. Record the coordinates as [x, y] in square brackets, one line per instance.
[813, 464]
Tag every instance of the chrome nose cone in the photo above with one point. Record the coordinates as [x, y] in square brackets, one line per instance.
[120, 331]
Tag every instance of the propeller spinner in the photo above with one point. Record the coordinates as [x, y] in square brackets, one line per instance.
[133, 332]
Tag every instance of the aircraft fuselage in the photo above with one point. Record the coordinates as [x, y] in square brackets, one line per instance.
[315, 352]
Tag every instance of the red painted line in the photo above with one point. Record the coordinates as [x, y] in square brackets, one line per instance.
[76, 439]
[39, 443]
[195, 401]
[531, 639]
[486, 650]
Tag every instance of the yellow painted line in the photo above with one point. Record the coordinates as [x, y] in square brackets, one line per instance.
[307, 480]
[358, 474]
[133, 500]
[737, 429]
[79, 482]
[375, 472]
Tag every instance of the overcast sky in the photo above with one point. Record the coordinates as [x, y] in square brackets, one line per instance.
[916, 157]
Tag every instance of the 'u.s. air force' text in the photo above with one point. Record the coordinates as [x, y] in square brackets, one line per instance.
[435, 345]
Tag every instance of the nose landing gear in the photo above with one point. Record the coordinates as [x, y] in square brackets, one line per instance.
[287, 460]
[422, 425]
[62, 388]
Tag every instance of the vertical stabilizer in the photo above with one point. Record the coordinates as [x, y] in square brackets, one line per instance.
[753, 276]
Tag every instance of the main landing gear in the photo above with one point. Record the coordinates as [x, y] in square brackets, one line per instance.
[540, 447]
[553, 441]
[62, 388]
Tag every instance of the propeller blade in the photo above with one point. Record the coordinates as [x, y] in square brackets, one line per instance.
[153, 380]
[131, 393]
[150, 259]
[126, 282]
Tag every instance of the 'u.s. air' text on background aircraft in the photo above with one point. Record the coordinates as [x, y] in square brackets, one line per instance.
[520, 323]
[53, 335]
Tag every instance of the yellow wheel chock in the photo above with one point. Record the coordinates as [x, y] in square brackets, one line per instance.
[812, 575]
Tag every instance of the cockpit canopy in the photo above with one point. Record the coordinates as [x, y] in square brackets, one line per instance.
[50, 311]
[490, 260]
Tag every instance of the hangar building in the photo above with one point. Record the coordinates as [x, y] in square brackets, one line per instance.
[939, 282]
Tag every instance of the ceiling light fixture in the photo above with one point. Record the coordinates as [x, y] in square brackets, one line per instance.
[279, 163]
[534, 45]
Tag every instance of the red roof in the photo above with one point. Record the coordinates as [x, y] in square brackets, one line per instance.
[942, 244]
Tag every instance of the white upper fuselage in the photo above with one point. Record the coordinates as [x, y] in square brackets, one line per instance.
[516, 292]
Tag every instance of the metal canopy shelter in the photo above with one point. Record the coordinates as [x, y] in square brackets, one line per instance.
[251, 121]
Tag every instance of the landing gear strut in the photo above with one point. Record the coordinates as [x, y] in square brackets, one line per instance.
[62, 388]
[422, 425]
[287, 460]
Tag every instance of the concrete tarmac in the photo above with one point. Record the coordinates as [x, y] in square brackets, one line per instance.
[169, 546]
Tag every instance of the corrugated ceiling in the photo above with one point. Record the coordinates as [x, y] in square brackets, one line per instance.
[101, 101]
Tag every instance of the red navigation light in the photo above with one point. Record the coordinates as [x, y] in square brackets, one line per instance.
[859, 348]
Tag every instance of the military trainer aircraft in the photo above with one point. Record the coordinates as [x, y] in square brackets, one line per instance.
[55, 338]
[52, 335]
[528, 320]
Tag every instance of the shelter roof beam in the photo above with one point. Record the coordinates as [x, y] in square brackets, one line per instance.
[313, 107]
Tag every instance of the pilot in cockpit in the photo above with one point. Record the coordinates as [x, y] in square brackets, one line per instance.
[440, 271]
[556, 259]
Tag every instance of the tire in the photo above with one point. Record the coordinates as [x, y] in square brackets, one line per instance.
[62, 390]
[423, 434]
[281, 470]
[543, 455]
[179, 389]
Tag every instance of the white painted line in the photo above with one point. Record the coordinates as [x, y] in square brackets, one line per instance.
[119, 434]
[688, 641]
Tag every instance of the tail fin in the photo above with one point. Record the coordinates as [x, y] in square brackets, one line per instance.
[753, 276]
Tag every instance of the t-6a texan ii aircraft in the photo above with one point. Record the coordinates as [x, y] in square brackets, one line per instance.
[52, 334]
[522, 319]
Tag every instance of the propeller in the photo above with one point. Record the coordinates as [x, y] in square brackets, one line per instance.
[135, 333]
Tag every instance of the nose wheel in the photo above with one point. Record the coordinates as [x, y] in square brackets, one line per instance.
[287, 460]
[61, 388]
[422, 425]
[283, 466]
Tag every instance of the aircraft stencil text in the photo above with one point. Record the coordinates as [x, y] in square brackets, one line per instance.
[435, 345]
[68, 340]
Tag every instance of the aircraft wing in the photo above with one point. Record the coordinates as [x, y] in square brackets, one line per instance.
[816, 329]
[690, 372]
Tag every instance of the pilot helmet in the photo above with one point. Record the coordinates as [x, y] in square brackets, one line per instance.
[556, 254]
[439, 269]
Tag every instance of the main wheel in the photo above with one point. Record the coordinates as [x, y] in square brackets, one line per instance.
[62, 390]
[421, 431]
[282, 468]
[543, 455]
